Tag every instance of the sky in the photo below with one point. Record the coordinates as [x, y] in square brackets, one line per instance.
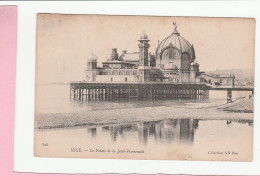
[65, 42]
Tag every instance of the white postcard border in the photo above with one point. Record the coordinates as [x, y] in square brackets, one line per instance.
[25, 82]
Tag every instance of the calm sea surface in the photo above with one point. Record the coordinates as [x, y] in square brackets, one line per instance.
[56, 99]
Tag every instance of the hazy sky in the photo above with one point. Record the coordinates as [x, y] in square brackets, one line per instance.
[64, 42]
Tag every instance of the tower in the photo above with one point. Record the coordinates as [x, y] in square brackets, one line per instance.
[91, 68]
[143, 51]
[114, 54]
[143, 68]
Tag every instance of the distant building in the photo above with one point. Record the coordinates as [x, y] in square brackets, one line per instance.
[216, 79]
[173, 61]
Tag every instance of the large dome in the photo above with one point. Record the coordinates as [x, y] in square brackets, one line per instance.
[174, 52]
[176, 41]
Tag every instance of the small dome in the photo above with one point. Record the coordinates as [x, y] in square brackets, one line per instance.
[92, 57]
[144, 36]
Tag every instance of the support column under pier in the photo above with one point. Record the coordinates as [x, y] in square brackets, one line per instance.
[229, 95]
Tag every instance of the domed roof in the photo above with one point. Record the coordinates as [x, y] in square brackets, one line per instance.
[92, 57]
[176, 41]
[144, 36]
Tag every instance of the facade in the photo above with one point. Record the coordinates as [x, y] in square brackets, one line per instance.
[216, 79]
[173, 62]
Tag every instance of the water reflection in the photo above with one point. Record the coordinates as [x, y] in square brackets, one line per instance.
[248, 122]
[164, 131]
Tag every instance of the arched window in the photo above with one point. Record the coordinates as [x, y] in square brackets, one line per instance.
[171, 58]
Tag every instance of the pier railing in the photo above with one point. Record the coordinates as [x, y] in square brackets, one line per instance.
[150, 83]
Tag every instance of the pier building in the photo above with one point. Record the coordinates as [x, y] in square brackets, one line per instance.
[173, 61]
[171, 72]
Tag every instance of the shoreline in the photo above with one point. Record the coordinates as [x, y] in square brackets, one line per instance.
[239, 109]
[144, 114]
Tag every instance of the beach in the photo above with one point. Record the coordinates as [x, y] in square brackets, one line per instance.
[238, 110]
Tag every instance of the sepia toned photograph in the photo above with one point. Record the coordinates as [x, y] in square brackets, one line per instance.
[144, 87]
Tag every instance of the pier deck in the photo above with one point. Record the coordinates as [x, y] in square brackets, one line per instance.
[103, 91]
[112, 90]
[234, 88]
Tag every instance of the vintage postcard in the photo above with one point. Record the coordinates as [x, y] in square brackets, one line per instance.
[144, 87]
